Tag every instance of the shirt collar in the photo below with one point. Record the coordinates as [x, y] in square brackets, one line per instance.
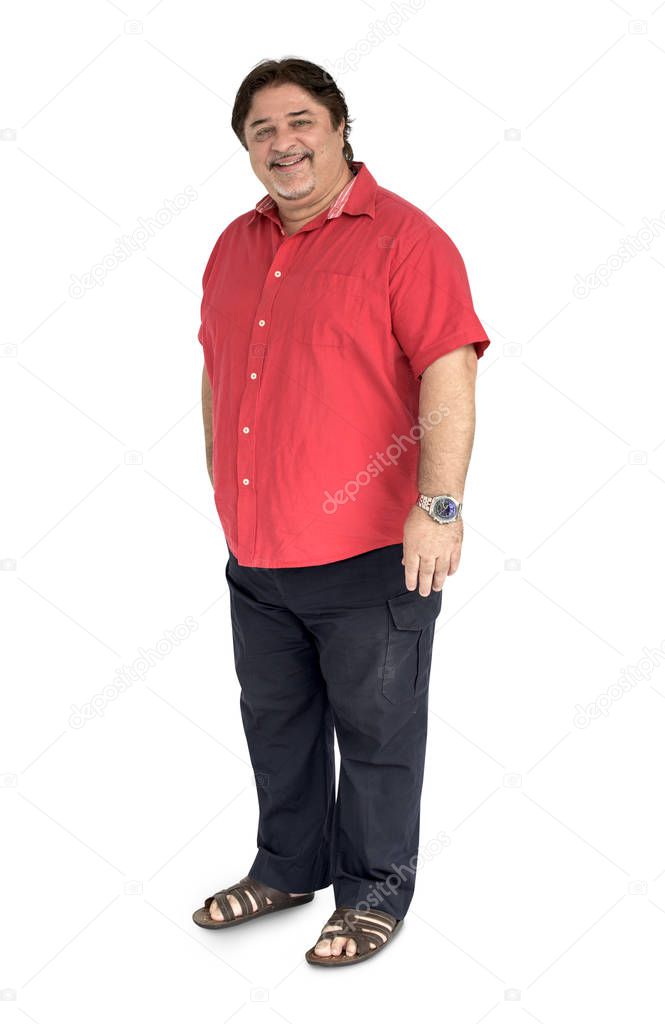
[357, 197]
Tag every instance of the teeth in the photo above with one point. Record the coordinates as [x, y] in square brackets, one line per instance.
[289, 163]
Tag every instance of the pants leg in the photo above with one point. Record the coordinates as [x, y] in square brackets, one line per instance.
[375, 643]
[289, 729]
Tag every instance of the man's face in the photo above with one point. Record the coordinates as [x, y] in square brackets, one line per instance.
[292, 123]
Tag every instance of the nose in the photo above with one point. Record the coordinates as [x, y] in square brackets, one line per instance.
[284, 144]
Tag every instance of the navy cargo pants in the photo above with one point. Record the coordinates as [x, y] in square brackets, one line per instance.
[346, 647]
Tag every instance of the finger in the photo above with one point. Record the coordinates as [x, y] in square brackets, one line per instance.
[439, 575]
[411, 566]
[426, 574]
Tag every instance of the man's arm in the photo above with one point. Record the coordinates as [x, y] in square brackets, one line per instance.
[448, 385]
[206, 406]
[448, 415]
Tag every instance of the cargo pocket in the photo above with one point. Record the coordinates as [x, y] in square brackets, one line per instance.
[411, 621]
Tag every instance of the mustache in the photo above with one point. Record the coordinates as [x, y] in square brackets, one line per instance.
[288, 156]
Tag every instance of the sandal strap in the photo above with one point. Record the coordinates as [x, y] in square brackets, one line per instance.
[243, 899]
[364, 927]
[239, 890]
[222, 903]
[247, 885]
[275, 895]
[377, 917]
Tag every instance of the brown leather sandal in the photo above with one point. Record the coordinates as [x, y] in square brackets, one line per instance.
[364, 926]
[242, 890]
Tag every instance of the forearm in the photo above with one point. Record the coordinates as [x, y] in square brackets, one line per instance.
[206, 407]
[448, 417]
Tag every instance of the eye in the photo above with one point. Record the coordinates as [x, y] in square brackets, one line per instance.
[264, 131]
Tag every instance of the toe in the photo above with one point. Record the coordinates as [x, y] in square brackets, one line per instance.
[324, 946]
[351, 947]
[215, 912]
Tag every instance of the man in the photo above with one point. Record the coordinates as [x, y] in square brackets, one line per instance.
[340, 347]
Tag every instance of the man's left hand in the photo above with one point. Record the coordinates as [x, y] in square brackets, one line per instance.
[431, 551]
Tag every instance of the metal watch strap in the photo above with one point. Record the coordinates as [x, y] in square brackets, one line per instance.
[425, 502]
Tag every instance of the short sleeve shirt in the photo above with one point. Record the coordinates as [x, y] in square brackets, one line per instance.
[315, 344]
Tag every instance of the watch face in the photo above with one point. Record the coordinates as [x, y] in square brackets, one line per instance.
[444, 509]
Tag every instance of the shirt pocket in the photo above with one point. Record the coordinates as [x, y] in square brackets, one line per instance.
[327, 308]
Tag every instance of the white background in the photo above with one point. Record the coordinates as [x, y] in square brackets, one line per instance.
[546, 898]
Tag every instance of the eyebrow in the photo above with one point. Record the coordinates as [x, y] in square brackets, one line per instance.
[292, 113]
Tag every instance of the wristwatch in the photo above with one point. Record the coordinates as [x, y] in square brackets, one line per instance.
[443, 508]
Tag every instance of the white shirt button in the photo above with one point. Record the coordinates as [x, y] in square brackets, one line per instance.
[245, 481]
[245, 430]
[253, 376]
[278, 273]
[262, 323]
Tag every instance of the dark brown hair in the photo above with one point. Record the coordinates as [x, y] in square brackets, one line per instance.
[314, 79]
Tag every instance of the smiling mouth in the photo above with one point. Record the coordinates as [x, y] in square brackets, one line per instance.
[291, 166]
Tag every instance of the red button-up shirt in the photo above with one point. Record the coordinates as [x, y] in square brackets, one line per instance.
[314, 344]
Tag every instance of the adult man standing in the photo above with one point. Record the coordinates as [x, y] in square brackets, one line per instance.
[340, 346]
